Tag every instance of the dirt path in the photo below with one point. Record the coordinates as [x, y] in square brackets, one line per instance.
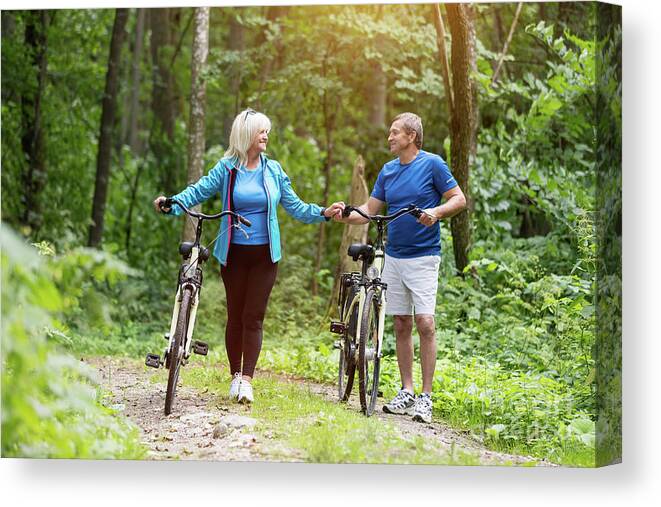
[208, 427]
[203, 426]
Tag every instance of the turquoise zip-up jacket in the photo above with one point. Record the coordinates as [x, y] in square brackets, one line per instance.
[278, 190]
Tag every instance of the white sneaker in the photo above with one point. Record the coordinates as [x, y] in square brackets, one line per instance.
[423, 408]
[234, 386]
[245, 392]
[403, 403]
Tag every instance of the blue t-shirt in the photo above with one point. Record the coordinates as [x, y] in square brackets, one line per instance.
[250, 200]
[422, 182]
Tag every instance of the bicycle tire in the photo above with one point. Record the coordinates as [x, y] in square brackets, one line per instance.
[174, 354]
[368, 381]
[347, 366]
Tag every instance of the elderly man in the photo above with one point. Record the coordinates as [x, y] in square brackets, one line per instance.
[413, 252]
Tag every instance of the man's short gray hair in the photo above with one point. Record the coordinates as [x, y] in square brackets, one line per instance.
[412, 123]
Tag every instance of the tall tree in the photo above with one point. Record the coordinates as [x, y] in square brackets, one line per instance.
[377, 84]
[461, 123]
[197, 104]
[163, 96]
[105, 135]
[235, 43]
[132, 135]
[32, 139]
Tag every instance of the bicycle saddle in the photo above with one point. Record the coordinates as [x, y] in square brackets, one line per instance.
[361, 251]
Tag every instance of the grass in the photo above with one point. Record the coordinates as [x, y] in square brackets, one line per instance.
[462, 399]
[320, 431]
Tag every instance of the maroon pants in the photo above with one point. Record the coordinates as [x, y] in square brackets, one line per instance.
[248, 277]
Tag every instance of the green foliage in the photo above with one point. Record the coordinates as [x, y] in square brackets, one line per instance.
[50, 405]
[538, 156]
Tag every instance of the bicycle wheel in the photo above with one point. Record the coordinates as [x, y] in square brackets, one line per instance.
[347, 362]
[368, 360]
[176, 352]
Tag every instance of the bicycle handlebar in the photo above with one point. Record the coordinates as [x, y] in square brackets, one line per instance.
[411, 208]
[167, 203]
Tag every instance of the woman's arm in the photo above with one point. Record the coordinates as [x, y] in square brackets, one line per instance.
[308, 213]
[203, 189]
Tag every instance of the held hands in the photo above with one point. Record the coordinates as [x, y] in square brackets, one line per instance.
[334, 211]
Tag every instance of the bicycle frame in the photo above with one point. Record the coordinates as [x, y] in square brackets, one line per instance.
[196, 286]
[358, 347]
[360, 296]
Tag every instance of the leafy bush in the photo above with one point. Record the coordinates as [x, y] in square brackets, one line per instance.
[51, 407]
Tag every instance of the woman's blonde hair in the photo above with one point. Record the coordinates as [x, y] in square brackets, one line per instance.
[244, 129]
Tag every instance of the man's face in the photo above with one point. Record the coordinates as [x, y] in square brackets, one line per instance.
[398, 138]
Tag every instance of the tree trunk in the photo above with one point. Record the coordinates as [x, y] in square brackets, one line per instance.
[134, 105]
[443, 56]
[105, 134]
[351, 233]
[461, 124]
[197, 106]
[235, 43]
[475, 109]
[32, 139]
[378, 93]
[163, 100]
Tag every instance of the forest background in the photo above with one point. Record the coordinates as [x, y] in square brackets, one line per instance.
[516, 312]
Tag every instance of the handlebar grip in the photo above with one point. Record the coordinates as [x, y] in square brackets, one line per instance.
[347, 211]
[415, 211]
[244, 221]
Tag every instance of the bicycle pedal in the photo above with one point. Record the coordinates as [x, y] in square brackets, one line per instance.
[153, 360]
[200, 348]
[337, 344]
[337, 327]
[167, 336]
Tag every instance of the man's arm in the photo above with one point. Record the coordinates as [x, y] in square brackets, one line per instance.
[455, 202]
[371, 207]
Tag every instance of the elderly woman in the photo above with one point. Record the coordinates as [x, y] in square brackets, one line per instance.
[252, 185]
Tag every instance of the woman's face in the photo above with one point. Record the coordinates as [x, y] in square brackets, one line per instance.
[260, 141]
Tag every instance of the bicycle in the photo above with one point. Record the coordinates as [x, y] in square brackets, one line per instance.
[189, 285]
[361, 307]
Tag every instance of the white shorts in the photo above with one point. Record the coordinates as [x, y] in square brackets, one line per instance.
[412, 285]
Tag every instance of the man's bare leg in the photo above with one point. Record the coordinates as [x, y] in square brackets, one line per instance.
[426, 327]
[404, 348]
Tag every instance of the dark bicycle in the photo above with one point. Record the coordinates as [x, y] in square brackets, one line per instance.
[361, 306]
[180, 337]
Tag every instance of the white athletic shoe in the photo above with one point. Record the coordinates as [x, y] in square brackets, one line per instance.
[403, 403]
[245, 392]
[234, 386]
[423, 408]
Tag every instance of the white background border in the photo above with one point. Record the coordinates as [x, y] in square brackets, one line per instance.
[634, 482]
